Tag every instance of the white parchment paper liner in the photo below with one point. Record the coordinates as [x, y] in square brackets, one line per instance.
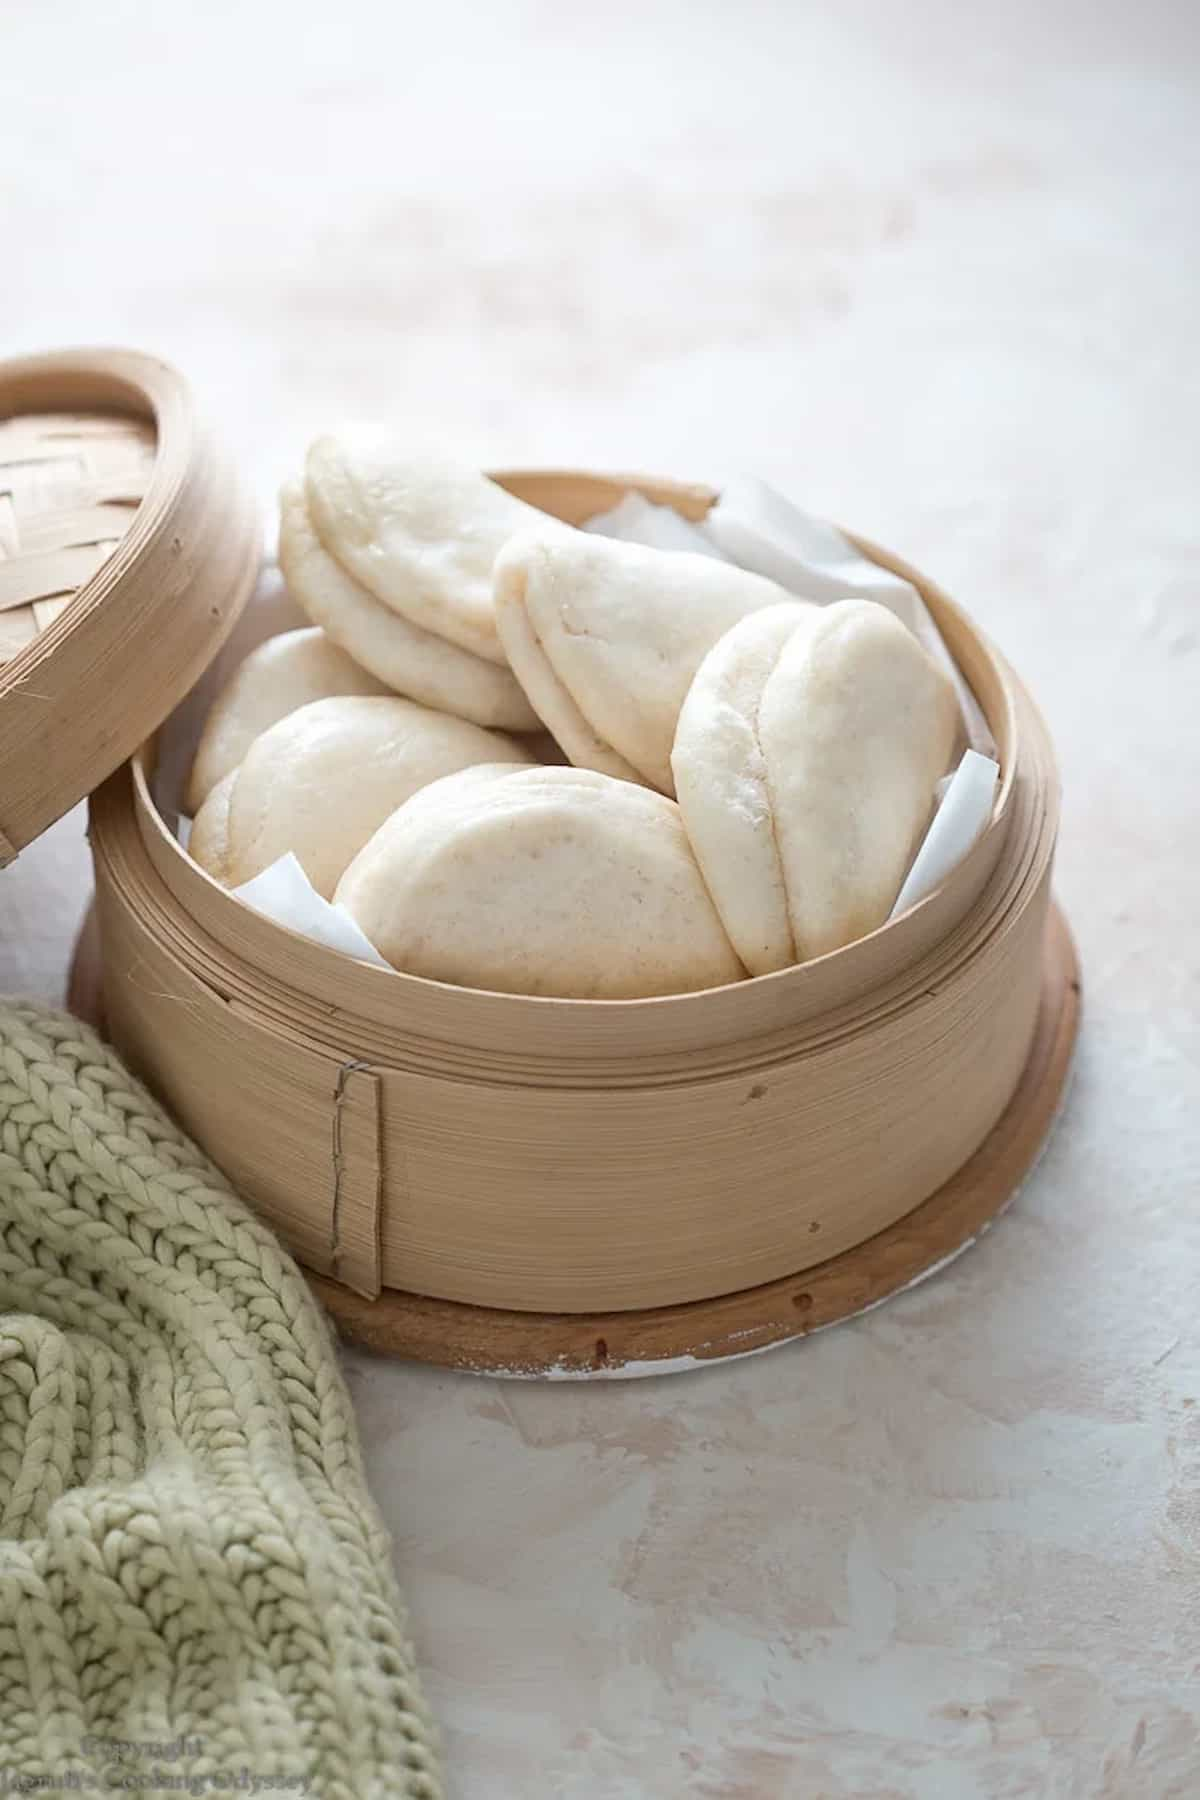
[964, 808]
[284, 893]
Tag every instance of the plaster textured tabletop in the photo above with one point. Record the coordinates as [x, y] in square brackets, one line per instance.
[933, 269]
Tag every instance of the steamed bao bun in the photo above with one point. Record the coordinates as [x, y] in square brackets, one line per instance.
[805, 760]
[553, 881]
[605, 637]
[209, 842]
[282, 674]
[419, 532]
[424, 665]
[322, 780]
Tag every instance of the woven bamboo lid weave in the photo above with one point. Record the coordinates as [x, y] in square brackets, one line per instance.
[127, 551]
[70, 484]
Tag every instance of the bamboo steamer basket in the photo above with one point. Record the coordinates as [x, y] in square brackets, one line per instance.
[531, 1185]
[127, 551]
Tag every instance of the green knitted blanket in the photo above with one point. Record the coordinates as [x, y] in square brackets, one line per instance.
[195, 1589]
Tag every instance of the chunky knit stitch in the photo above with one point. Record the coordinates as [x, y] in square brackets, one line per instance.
[195, 1589]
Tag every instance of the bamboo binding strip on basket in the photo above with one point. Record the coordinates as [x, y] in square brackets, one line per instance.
[580, 1157]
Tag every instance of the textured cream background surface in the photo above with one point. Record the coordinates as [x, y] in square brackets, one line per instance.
[933, 269]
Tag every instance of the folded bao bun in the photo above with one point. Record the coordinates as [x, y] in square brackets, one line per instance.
[322, 781]
[419, 532]
[721, 784]
[605, 638]
[552, 881]
[209, 841]
[281, 674]
[806, 757]
[411, 661]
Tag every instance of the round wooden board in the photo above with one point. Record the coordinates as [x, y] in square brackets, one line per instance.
[566, 1346]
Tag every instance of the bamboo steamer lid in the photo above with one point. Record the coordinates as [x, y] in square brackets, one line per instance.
[128, 549]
